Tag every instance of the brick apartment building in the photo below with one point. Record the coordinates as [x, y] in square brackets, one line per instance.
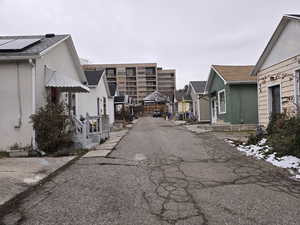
[139, 80]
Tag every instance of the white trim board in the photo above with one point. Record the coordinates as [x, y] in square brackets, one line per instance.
[219, 110]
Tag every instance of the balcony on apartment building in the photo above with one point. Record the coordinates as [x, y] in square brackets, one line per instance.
[166, 79]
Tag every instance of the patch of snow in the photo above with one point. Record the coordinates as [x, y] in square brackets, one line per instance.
[139, 157]
[257, 151]
[33, 180]
[230, 142]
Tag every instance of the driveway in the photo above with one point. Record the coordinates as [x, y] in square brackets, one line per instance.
[163, 174]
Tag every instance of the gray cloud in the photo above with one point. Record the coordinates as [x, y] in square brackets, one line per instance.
[186, 35]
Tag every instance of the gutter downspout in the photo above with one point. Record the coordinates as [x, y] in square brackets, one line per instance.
[19, 98]
[33, 75]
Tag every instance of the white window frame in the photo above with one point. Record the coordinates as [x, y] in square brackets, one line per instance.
[219, 103]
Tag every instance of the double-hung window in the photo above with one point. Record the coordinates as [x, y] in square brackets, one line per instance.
[222, 101]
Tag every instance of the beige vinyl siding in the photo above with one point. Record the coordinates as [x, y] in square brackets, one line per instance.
[288, 68]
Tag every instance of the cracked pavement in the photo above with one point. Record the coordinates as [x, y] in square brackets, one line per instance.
[162, 174]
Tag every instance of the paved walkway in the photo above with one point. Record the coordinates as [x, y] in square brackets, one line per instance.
[162, 174]
[18, 174]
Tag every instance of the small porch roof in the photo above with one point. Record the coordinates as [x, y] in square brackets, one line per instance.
[65, 83]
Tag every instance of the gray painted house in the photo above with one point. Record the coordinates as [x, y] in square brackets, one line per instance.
[200, 105]
[232, 95]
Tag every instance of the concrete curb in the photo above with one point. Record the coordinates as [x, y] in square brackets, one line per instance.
[113, 148]
[102, 152]
[9, 205]
[128, 129]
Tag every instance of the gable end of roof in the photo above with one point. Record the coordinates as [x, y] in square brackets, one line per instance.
[267, 50]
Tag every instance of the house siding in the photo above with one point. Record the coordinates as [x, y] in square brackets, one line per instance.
[184, 107]
[282, 74]
[287, 45]
[204, 108]
[218, 85]
[59, 59]
[111, 110]
[10, 105]
[200, 106]
[243, 104]
[87, 102]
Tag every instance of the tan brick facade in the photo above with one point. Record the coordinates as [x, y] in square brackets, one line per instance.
[138, 80]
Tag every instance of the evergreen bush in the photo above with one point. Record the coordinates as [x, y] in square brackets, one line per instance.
[284, 135]
[53, 127]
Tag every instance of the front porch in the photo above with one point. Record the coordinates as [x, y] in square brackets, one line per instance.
[90, 131]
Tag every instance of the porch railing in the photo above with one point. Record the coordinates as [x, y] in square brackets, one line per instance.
[91, 126]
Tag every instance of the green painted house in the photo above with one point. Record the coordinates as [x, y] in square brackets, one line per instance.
[232, 95]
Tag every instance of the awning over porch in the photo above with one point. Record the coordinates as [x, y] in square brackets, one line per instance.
[65, 84]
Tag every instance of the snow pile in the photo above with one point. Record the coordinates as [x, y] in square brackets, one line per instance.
[259, 151]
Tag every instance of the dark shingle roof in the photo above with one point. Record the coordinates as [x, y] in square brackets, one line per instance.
[199, 86]
[294, 15]
[112, 88]
[183, 94]
[93, 77]
[36, 48]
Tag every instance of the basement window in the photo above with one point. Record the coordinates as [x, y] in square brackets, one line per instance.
[222, 101]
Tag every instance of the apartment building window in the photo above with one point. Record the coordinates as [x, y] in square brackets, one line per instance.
[150, 70]
[131, 72]
[110, 72]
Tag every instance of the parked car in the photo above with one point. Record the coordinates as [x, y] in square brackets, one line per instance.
[157, 114]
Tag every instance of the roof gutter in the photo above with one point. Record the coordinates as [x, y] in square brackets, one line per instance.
[242, 82]
[18, 58]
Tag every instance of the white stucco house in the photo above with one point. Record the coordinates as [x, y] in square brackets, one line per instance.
[98, 101]
[33, 68]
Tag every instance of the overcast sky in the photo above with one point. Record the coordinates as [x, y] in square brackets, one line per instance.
[187, 35]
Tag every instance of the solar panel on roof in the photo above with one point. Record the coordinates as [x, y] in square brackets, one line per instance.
[4, 41]
[18, 44]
